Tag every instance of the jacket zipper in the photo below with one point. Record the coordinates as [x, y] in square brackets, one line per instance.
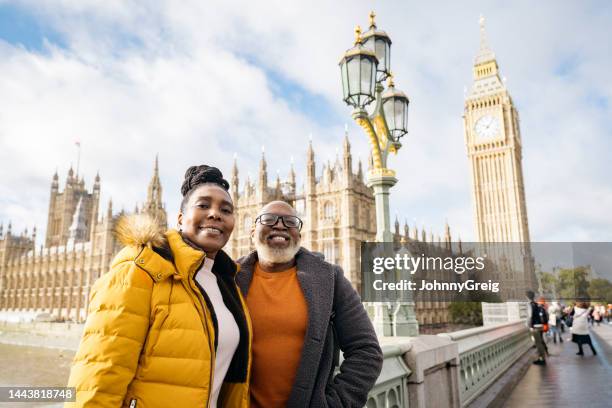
[200, 298]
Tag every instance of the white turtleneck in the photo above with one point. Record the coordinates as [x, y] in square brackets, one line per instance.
[228, 334]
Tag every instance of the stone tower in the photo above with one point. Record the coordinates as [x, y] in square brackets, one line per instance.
[63, 208]
[337, 208]
[493, 141]
[494, 147]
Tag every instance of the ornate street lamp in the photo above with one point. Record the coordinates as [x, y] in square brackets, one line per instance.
[358, 68]
[395, 106]
[379, 42]
[388, 121]
[363, 69]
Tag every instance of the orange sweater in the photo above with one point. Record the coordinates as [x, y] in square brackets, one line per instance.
[279, 316]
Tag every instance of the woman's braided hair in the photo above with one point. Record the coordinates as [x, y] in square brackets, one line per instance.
[195, 176]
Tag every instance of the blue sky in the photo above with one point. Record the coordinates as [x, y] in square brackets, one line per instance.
[202, 82]
[18, 26]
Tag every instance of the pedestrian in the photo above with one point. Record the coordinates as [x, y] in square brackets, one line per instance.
[580, 327]
[602, 312]
[565, 310]
[554, 321]
[167, 326]
[537, 317]
[304, 312]
[590, 319]
[597, 315]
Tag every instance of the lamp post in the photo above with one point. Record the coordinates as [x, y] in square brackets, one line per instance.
[364, 68]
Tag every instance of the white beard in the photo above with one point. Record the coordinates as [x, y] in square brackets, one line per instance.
[275, 255]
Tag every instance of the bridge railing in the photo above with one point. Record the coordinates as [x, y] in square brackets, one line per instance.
[391, 389]
[485, 353]
[416, 371]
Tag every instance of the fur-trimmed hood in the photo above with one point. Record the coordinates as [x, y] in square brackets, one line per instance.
[140, 230]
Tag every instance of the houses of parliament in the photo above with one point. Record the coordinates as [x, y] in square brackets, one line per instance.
[336, 206]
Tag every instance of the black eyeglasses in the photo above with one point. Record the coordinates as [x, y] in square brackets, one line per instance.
[289, 221]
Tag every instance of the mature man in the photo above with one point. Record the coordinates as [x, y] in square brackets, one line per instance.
[302, 309]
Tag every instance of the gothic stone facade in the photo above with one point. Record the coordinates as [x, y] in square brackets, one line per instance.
[80, 245]
[337, 208]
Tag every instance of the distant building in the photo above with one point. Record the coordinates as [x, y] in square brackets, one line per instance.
[494, 146]
[337, 209]
[79, 246]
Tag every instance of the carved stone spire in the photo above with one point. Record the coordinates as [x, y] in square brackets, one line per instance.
[263, 172]
[109, 209]
[346, 154]
[310, 168]
[397, 226]
[96, 186]
[485, 53]
[235, 181]
[55, 182]
[447, 236]
[154, 206]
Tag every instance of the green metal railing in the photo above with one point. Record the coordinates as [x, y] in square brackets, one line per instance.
[485, 353]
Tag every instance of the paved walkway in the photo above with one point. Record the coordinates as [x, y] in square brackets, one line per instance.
[569, 380]
[33, 367]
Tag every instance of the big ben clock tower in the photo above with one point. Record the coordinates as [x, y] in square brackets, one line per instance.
[493, 140]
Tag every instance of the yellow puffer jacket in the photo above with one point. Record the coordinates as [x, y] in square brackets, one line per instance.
[149, 339]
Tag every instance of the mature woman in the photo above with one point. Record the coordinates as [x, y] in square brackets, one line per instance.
[580, 327]
[167, 326]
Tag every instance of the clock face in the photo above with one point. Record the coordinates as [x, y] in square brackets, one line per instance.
[487, 127]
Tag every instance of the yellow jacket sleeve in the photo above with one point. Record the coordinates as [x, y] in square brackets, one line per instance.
[113, 337]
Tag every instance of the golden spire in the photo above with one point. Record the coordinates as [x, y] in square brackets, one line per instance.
[357, 35]
[390, 82]
[485, 53]
[372, 22]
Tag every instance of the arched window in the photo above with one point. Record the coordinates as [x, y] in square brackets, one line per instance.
[328, 210]
[247, 223]
[328, 252]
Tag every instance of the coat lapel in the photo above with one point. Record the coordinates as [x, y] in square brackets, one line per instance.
[317, 281]
[245, 274]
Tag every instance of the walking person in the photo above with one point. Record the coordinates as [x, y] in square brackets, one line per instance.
[597, 315]
[167, 326]
[580, 327]
[565, 310]
[537, 317]
[554, 321]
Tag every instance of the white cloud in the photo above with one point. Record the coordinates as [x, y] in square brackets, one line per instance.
[196, 83]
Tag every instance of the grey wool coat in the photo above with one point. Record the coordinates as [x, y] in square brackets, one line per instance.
[356, 337]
